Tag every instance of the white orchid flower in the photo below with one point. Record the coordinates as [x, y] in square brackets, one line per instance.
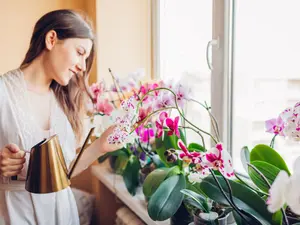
[285, 189]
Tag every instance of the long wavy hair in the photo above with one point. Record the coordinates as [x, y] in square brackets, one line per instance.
[67, 24]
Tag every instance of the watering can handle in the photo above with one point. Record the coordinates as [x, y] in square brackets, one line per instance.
[80, 152]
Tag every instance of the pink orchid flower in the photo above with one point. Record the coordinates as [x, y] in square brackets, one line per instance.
[146, 88]
[97, 90]
[163, 100]
[186, 156]
[160, 124]
[173, 126]
[143, 113]
[104, 106]
[118, 136]
[219, 159]
[275, 126]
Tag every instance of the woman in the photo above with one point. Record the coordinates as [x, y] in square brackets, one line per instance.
[46, 96]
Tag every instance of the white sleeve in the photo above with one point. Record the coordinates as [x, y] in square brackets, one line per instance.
[3, 105]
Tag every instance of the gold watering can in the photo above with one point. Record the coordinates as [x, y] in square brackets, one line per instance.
[47, 170]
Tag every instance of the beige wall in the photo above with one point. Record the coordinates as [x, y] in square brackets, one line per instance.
[123, 30]
[124, 42]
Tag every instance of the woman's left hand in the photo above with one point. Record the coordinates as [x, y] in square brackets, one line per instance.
[105, 146]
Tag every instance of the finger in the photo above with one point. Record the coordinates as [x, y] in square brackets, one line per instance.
[12, 168]
[19, 155]
[13, 148]
[11, 173]
[12, 162]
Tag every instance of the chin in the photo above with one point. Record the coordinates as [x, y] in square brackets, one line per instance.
[63, 82]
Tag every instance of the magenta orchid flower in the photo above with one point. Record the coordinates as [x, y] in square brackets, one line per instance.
[173, 126]
[160, 124]
[275, 126]
[145, 134]
[218, 158]
[186, 156]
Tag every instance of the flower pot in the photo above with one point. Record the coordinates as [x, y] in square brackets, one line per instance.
[181, 217]
[221, 220]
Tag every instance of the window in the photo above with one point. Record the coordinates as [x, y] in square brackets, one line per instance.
[185, 27]
[255, 64]
[266, 71]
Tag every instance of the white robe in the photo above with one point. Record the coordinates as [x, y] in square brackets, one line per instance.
[17, 125]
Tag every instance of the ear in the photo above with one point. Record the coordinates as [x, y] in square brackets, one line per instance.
[50, 39]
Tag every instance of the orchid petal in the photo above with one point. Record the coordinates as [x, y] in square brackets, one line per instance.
[277, 192]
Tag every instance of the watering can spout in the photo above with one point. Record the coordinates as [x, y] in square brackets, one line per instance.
[47, 169]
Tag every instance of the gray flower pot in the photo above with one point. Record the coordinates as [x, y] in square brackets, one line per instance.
[222, 220]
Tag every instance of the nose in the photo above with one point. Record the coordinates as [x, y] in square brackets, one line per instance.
[81, 66]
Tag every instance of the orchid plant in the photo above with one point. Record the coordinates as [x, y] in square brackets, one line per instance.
[269, 173]
[136, 155]
[208, 172]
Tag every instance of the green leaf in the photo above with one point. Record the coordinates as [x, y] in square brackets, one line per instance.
[182, 135]
[265, 153]
[120, 164]
[244, 198]
[153, 180]
[167, 199]
[268, 170]
[196, 188]
[245, 157]
[170, 141]
[156, 177]
[131, 175]
[277, 217]
[198, 199]
[160, 150]
[195, 147]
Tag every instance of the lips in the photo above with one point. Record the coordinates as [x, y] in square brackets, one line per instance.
[74, 73]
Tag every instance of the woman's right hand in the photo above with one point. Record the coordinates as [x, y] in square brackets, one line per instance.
[12, 160]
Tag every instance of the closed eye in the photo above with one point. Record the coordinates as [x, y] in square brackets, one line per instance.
[80, 53]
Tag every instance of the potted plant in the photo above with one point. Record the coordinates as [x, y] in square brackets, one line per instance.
[206, 211]
[163, 185]
[192, 166]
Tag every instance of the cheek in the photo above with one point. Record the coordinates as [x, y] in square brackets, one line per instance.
[67, 59]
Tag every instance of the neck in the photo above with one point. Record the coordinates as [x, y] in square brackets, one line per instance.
[36, 78]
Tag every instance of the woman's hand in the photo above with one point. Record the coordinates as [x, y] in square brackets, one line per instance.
[105, 146]
[12, 160]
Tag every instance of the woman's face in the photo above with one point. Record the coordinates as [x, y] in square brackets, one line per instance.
[67, 57]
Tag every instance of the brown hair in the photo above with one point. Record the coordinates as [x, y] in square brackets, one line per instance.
[67, 24]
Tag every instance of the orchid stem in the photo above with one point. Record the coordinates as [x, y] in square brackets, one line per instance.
[226, 197]
[115, 83]
[181, 114]
[212, 118]
[198, 132]
[245, 183]
[147, 117]
[269, 186]
[273, 141]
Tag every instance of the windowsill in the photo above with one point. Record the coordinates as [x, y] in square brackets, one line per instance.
[116, 185]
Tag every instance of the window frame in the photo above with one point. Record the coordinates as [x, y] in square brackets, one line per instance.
[222, 63]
